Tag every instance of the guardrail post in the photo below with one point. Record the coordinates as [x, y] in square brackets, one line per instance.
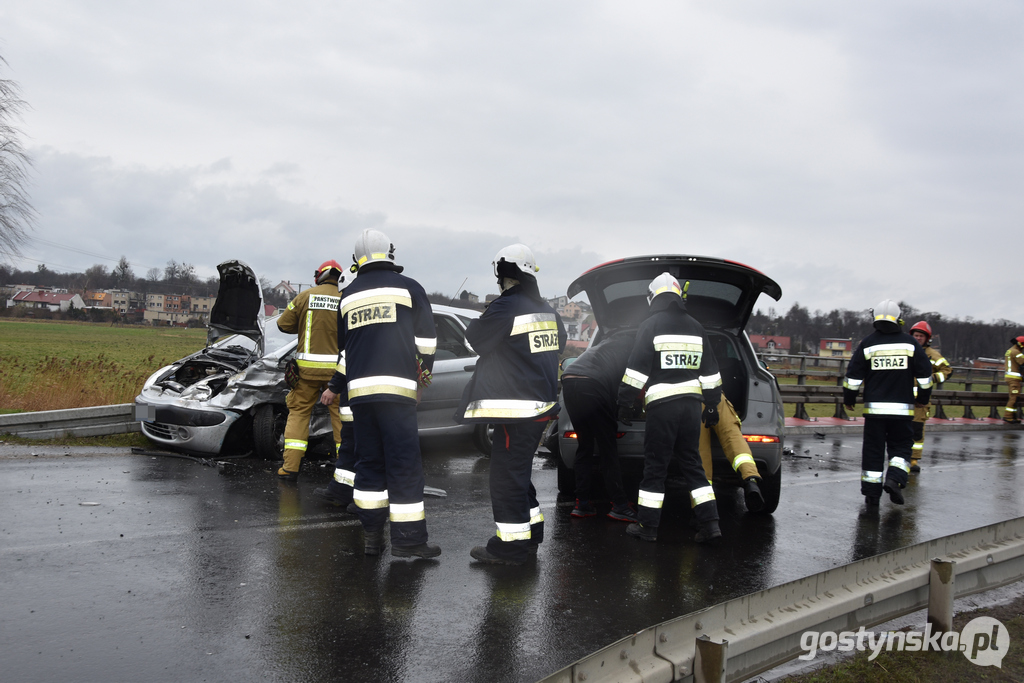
[709, 662]
[800, 411]
[940, 414]
[940, 595]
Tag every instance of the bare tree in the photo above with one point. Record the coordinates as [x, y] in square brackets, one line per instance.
[16, 212]
[123, 275]
[172, 271]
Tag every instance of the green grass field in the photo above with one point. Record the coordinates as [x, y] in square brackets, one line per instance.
[48, 365]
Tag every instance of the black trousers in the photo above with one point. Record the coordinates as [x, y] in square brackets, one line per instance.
[345, 466]
[592, 411]
[673, 431]
[389, 470]
[881, 434]
[513, 497]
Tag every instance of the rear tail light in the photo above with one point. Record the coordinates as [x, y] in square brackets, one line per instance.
[760, 438]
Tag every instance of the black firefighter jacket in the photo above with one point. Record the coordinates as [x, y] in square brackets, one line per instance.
[889, 366]
[384, 321]
[519, 338]
[671, 357]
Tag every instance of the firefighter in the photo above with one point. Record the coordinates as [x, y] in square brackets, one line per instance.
[941, 370]
[387, 331]
[589, 388]
[313, 315]
[1014, 362]
[673, 360]
[515, 388]
[730, 435]
[890, 364]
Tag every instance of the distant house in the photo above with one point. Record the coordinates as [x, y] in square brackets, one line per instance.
[830, 347]
[770, 343]
[570, 311]
[98, 299]
[989, 363]
[285, 290]
[50, 301]
[269, 310]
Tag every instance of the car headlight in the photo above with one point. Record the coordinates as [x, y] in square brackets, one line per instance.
[198, 392]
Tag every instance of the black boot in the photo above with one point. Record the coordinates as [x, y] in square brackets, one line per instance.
[424, 550]
[893, 489]
[481, 554]
[639, 531]
[709, 533]
[372, 541]
[752, 494]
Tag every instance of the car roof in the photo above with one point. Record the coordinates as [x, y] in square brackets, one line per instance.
[722, 293]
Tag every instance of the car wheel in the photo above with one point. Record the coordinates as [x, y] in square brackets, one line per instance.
[483, 434]
[268, 431]
[771, 489]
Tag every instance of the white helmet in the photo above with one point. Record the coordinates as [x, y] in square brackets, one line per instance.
[662, 284]
[887, 316]
[518, 255]
[372, 246]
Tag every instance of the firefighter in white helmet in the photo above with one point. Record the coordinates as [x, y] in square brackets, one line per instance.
[672, 359]
[890, 365]
[387, 331]
[941, 370]
[313, 315]
[515, 388]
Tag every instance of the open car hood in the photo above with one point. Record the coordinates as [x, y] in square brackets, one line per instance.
[239, 305]
[722, 293]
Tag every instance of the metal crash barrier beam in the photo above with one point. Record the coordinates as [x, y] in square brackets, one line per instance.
[51, 424]
[741, 638]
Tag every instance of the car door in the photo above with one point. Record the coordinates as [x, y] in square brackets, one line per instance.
[453, 368]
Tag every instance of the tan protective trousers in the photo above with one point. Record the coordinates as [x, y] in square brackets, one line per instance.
[1011, 412]
[301, 401]
[730, 435]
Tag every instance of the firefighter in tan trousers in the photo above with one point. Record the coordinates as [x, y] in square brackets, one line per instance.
[1014, 362]
[313, 314]
[941, 370]
[734, 445]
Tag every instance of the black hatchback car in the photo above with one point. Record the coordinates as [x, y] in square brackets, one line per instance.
[721, 296]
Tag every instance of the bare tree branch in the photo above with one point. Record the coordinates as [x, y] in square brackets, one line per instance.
[16, 212]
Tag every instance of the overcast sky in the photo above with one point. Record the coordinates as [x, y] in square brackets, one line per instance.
[852, 151]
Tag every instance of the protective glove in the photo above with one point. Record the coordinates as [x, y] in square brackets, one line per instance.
[709, 417]
[626, 415]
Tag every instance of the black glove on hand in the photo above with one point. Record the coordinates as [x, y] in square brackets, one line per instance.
[709, 417]
[626, 415]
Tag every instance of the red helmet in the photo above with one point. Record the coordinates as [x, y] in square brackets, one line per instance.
[1020, 340]
[922, 326]
[324, 271]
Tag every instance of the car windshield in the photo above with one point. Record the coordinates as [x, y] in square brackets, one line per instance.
[275, 338]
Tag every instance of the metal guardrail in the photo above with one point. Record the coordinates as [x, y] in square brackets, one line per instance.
[741, 638]
[51, 424]
[827, 368]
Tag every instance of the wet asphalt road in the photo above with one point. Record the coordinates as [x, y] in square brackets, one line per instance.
[181, 573]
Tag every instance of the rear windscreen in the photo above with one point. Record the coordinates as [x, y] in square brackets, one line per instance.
[722, 291]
